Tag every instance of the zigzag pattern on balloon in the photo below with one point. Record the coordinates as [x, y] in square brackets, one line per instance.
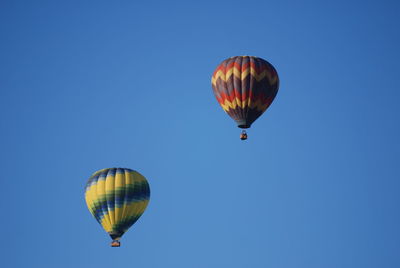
[259, 104]
[244, 97]
[245, 87]
[225, 74]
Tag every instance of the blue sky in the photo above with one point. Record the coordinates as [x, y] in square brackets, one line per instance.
[98, 84]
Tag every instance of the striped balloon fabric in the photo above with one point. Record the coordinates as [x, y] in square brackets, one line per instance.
[245, 87]
[117, 197]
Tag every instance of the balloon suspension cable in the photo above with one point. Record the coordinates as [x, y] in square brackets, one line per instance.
[243, 135]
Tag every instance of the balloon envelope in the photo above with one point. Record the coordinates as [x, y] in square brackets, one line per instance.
[117, 197]
[245, 87]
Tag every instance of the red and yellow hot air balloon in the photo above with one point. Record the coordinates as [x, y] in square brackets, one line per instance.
[245, 87]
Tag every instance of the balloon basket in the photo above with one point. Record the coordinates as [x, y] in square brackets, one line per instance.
[115, 244]
[243, 135]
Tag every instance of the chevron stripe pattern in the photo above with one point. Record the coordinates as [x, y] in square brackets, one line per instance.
[245, 87]
[117, 197]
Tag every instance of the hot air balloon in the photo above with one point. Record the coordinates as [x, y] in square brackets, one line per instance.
[245, 87]
[117, 197]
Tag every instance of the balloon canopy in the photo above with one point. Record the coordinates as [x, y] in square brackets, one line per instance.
[117, 197]
[245, 87]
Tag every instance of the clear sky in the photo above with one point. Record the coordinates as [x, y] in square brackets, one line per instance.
[86, 85]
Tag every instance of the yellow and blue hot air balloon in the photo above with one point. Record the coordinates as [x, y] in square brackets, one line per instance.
[245, 87]
[117, 197]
